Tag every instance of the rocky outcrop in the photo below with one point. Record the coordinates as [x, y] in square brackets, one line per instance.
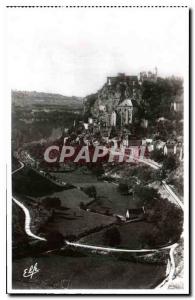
[113, 92]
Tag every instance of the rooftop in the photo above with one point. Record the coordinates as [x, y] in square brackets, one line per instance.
[126, 102]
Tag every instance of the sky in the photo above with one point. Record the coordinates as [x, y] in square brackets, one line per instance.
[72, 51]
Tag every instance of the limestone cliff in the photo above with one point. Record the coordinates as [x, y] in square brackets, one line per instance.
[113, 92]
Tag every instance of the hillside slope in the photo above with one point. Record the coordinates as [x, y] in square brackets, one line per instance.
[24, 98]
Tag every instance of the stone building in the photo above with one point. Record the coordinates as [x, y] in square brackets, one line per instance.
[173, 149]
[113, 119]
[148, 76]
[125, 110]
[177, 104]
[114, 105]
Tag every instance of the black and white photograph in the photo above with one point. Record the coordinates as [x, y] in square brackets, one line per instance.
[98, 178]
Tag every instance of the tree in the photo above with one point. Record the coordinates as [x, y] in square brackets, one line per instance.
[98, 170]
[157, 155]
[82, 205]
[170, 163]
[54, 239]
[159, 175]
[123, 188]
[112, 237]
[179, 184]
[150, 239]
[113, 132]
[51, 202]
[158, 96]
[90, 191]
[145, 173]
[147, 195]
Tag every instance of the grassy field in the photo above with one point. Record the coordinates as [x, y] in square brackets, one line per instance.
[131, 235]
[109, 199]
[86, 272]
[76, 177]
[71, 198]
[30, 183]
[18, 220]
[77, 222]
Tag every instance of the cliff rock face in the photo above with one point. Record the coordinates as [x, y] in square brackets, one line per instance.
[114, 91]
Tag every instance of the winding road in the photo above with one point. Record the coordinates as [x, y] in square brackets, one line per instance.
[172, 247]
[27, 223]
[175, 199]
[116, 249]
[156, 166]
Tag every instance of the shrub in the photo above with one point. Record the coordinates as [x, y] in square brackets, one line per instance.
[90, 191]
[51, 202]
[112, 237]
[146, 194]
[170, 163]
[157, 155]
[123, 188]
